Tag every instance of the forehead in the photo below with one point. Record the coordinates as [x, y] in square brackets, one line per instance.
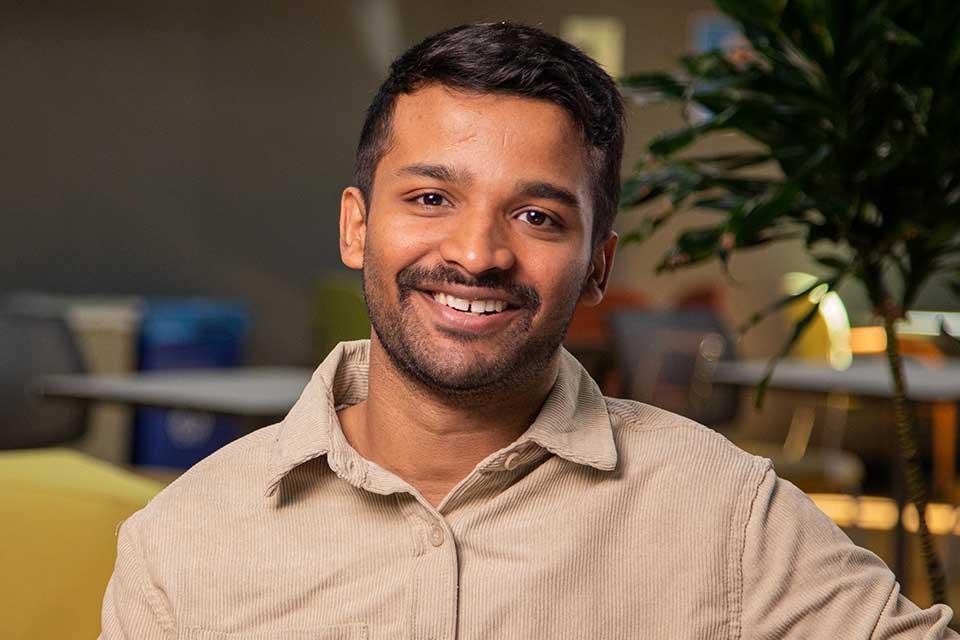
[520, 135]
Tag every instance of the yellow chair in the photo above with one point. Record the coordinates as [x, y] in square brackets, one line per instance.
[60, 510]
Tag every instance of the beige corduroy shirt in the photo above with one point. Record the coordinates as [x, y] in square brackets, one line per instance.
[607, 519]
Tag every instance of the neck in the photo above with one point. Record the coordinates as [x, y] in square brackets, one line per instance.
[433, 441]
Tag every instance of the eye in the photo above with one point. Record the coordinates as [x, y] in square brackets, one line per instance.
[430, 199]
[537, 218]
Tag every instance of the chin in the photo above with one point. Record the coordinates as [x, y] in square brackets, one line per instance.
[443, 368]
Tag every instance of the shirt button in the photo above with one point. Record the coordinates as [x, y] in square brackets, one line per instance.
[436, 535]
[512, 461]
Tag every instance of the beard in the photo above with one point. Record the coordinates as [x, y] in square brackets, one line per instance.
[519, 354]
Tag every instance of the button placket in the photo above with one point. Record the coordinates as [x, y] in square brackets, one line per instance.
[435, 580]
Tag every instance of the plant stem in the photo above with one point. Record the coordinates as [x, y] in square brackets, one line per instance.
[909, 460]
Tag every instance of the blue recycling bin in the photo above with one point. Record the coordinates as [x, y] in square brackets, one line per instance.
[186, 334]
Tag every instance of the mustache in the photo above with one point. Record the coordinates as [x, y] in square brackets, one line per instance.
[415, 277]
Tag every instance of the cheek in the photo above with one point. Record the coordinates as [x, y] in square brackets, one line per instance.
[557, 277]
[397, 242]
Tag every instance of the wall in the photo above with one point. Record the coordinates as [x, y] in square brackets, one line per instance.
[170, 151]
[200, 148]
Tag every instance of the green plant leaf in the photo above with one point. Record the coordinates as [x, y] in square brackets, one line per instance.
[833, 262]
[895, 34]
[649, 184]
[758, 316]
[638, 190]
[647, 227]
[758, 214]
[745, 187]
[654, 87]
[693, 246]
[805, 23]
[725, 203]
[733, 161]
[820, 232]
[710, 65]
[672, 141]
[944, 236]
[798, 330]
[954, 286]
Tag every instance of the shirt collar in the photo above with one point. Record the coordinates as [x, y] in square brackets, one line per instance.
[572, 424]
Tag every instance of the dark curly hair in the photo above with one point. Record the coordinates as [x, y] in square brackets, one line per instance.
[512, 59]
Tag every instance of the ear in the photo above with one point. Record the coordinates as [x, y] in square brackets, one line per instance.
[353, 227]
[601, 264]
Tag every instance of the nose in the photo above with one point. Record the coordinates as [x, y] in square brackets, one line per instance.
[478, 243]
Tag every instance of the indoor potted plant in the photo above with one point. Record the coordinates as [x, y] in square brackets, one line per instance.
[851, 109]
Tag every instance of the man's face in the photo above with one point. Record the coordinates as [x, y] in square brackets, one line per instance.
[477, 239]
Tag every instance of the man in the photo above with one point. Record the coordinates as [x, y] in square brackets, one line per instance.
[459, 475]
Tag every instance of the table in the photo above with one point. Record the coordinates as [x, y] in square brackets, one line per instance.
[936, 383]
[867, 376]
[248, 392]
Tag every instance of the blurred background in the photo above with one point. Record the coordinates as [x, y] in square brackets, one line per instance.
[169, 193]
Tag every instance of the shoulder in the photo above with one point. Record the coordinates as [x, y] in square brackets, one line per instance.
[685, 477]
[232, 479]
[652, 440]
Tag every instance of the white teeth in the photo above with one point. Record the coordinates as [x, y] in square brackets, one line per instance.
[470, 306]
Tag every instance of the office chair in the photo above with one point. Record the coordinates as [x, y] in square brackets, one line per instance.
[32, 346]
[667, 359]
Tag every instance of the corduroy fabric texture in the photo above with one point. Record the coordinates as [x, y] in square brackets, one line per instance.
[607, 519]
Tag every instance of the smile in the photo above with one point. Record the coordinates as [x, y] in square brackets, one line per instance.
[473, 307]
[464, 317]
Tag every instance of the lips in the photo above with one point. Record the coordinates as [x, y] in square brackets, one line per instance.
[456, 321]
[450, 281]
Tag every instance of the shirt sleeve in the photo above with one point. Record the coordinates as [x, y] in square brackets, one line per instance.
[133, 607]
[804, 578]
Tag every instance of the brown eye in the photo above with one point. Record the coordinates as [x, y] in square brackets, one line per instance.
[432, 199]
[536, 218]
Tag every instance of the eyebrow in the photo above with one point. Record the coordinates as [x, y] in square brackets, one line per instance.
[439, 172]
[548, 191]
